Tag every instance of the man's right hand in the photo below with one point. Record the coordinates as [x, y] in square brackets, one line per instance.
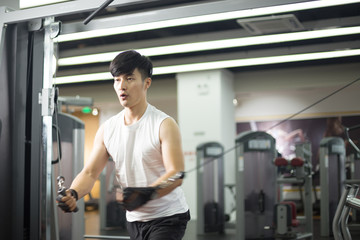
[67, 203]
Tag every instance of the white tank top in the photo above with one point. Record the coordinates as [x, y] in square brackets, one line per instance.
[136, 151]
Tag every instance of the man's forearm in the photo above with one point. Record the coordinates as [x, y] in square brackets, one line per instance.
[166, 190]
[83, 183]
[167, 184]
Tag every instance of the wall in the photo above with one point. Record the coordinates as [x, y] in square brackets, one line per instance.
[279, 93]
[206, 114]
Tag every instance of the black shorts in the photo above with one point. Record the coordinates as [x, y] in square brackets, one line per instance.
[165, 228]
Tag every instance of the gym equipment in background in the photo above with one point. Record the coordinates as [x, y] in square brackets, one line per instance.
[255, 185]
[354, 161]
[210, 182]
[354, 178]
[69, 163]
[332, 177]
[112, 215]
[347, 202]
[298, 172]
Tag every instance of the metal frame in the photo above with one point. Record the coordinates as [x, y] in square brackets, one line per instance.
[348, 201]
[330, 147]
[18, 194]
[78, 219]
[37, 166]
[47, 102]
[354, 160]
[304, 151]
[23, 67]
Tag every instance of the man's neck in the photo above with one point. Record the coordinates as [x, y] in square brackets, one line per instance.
[132, 115]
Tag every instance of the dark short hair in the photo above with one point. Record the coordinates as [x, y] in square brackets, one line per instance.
[126, 62]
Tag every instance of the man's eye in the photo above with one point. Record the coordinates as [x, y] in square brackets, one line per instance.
[130, 79]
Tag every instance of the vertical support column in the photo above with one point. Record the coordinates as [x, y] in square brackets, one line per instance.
[303, 151]
[47, 101]
[205, 114]
[324, 181]
[13, 54]
[332, 177]
[17, 92]
[34, 164]
[2, 36]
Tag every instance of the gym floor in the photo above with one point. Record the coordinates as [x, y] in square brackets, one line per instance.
[92, 228]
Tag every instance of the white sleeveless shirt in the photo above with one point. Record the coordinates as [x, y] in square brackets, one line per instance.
[136, 151]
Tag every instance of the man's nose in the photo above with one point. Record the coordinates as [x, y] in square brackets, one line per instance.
[123, 84]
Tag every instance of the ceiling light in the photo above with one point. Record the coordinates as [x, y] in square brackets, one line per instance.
[255, 61]
[219, 65]
[204, 19]
[95, 111]
[216, 44]
[35, 3]
[83, 78]
[235, 102]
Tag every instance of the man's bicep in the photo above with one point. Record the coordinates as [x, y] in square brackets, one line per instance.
[98, 156]
[171, 145]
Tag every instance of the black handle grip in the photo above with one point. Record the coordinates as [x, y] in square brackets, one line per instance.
[61, 204]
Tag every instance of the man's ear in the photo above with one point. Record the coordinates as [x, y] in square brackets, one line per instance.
[147, 82]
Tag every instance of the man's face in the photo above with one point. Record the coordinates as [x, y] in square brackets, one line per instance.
[131, 89]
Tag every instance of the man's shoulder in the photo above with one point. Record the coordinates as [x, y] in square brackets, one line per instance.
[112, 120]
[157, 112]
[115, 116]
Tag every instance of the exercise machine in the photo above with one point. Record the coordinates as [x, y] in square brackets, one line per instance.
[255, 185]
[286, 221]
[26, 142]
[210, 182]
[347, 202]
[332, 177]
[68, 137]
[354, 161]
[112, 215]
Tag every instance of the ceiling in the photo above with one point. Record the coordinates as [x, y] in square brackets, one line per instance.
[262, 25]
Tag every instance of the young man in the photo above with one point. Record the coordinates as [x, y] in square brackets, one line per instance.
[145, 145]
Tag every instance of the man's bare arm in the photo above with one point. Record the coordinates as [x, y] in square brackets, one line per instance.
[172, 155]
[85, 180]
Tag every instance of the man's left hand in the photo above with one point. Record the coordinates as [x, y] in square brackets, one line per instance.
[135, 197]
